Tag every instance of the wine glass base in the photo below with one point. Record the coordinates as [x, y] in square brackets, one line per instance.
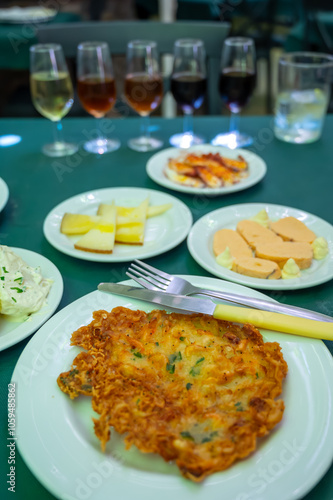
[232, 140]
[185, 141]
[144, 144]
[58, 149]
[101, 146]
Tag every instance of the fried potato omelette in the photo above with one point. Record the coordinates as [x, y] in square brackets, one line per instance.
[196, 390]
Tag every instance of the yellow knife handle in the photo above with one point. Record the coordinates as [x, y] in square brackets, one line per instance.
[275, 321]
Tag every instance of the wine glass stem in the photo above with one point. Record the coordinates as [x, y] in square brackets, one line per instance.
[234, 122]
[145, 131]
[188, 122]
[58, 132]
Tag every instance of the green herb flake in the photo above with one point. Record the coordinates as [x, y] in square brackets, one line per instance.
[86, 387]
[20, 279]
[73, 372]
[14, 299]
[156, 343]
[182, 339]
[138, 401]
[257, 375]
[137, 354]
[5, 270]
[200, 361]
[195, 370]
[239, 406]
[2, 278]
[188, 386]
[187, 435]
[170, 368]
[19, 290]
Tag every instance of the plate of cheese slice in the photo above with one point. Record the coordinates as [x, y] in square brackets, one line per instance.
[117, 224]
[265, 246]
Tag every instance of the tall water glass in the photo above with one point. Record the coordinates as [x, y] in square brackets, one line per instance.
[52, 92]
[304, 82]
[188, 86]
[96, 90]
[143, 89]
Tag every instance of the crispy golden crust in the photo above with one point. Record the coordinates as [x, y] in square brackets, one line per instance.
[213, 170]
[196, 390]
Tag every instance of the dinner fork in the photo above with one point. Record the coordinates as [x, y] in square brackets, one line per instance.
[154, 279]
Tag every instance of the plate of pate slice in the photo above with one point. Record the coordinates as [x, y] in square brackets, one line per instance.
[275, 261]
[14, 329]
[206, 169]
[162, 220]
[282, 466]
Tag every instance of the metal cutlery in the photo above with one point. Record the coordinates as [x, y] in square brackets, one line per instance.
[153, 279]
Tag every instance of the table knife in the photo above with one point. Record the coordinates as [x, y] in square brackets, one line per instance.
[261, 319]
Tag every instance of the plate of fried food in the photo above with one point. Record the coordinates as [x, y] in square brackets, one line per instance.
[31, 289]
[206, 169]
[117, 224]
[265, 246]
[143, 403]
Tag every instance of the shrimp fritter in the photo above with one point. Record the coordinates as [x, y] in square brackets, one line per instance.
[196, 390]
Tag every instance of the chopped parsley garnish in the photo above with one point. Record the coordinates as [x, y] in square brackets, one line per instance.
[19, 290]
[14, 299]
[156, 343]
[188, 386]
[170, 368]
[182, 339]
[20, 279]
[137, 354]
[86, 387]
[195, 370]
[2, 278]
[175, 357]
[239, 406]
[73, 372]
[200, 361]
[187, 435]
[5, 270]
[257, 375]
[207, 439]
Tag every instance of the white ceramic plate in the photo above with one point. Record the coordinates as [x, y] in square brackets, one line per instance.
[23, 15]
[11, 332]
[57, 440]
[4, 194]
[157, 163]
[200, 245]
[161, 233]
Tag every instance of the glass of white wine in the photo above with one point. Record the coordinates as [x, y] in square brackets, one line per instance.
[52, 92]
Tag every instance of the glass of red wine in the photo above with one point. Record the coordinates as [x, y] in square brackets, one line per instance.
[96, 90]
[143, 89]
[236, 85]
[188, 86]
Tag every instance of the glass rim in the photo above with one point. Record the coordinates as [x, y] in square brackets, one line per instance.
[239, 41]
[45, 47]
[287, 60]
[138, 43]
[92, 45]
[185, 42]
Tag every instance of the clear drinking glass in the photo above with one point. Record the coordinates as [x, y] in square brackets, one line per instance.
[304, 81]
[52, 92]
[143, 89]
[96, 90]
[188, 86]
[236, 85]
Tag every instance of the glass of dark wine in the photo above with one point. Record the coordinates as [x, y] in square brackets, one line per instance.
[52, 92]
[143, 89]
[236, 85]
[188, 86]
[96, 90]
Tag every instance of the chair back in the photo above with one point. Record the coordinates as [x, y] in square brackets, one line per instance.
[119, 33]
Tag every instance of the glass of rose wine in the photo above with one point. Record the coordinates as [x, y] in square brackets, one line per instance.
[188, 86]
[96, 90]
[143, 89]
[52, 92]
[236, 85]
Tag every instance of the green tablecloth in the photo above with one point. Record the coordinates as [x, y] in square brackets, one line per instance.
[297, 176]
[16, 40]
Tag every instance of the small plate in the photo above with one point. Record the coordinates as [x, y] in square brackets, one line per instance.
[157, 163]
[200, 245]
[162, 232]
[26, 15]
[56, 434]
[4, 194]
[11, 332]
